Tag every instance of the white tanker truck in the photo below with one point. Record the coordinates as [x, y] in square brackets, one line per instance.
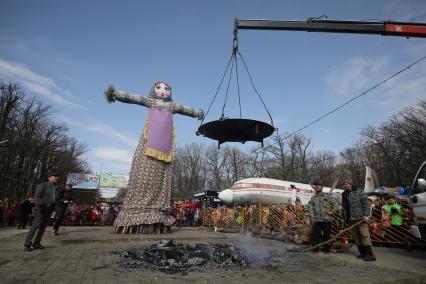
[417, 195]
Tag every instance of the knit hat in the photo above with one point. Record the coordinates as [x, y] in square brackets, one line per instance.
[317, 182]
[53, 172]
[348, 180]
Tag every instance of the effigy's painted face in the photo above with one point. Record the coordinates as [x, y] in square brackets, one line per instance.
[162, 90]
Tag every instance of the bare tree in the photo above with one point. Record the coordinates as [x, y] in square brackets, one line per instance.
[10, 100]
[236, 164]
[397, 147]
[394, 149]
[322, 167]
[259, 162]
[189, 171]
[215, 161]
[35, 144]
[279, 157]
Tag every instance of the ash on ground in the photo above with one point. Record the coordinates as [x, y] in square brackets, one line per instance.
[174, 258]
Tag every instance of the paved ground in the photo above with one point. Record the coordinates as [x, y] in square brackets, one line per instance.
[86, 255]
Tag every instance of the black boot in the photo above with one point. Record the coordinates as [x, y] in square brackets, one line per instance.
[369, 255]
[361, 251]
[327, 248]
[28, 248]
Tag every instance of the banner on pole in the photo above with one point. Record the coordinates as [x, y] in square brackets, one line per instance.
[83, 181]
[113, 180]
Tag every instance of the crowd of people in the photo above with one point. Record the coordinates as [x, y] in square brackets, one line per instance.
[274, 215]
[385, 213]
[390, 218]
[187, 216]
[21, 215]
[387, 218]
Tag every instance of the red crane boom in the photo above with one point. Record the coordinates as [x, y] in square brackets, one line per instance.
[385, 28]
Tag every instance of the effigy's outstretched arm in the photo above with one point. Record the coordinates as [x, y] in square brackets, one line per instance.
[189, 111]
[113, 95]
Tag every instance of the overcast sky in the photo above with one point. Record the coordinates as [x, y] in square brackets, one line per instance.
[68, 52]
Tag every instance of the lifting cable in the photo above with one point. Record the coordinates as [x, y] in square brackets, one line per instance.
[346, 103]
[222, 116]
[233, 61]
[254, 88]
[218, 88]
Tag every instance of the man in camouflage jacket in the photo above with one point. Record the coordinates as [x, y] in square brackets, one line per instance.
[356, 208]
[321, 208]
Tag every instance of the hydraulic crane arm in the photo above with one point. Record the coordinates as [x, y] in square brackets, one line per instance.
[386, 28]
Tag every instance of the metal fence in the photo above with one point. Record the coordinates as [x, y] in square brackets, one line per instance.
[280, 217]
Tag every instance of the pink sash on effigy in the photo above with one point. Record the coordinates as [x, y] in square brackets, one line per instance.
[159, 135]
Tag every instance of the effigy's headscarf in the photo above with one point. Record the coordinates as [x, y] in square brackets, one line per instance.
[159, 132]
[161, 88]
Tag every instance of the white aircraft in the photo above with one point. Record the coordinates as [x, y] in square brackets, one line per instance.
[274, 191]
[373, 189]
[268, 191]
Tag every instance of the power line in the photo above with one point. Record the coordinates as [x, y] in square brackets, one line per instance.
[347, 152]
[347, 102]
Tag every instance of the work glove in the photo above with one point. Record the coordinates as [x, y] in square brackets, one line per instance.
[365, 218]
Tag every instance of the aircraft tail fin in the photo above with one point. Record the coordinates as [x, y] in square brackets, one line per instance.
[371, 181]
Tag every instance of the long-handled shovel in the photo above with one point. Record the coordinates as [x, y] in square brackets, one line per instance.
[329, 240]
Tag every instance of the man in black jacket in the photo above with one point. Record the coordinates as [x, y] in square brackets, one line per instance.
[61, 205]
[44, 200]
[356, 208]
[26, 210]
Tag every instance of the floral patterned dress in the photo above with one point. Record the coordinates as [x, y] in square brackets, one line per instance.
[147, 200]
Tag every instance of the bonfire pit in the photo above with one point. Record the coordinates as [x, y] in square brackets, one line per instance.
[174, 258]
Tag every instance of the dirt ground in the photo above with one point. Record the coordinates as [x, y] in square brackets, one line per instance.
[88, 255]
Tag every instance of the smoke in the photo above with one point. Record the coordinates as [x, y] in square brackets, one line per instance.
[256, 252]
